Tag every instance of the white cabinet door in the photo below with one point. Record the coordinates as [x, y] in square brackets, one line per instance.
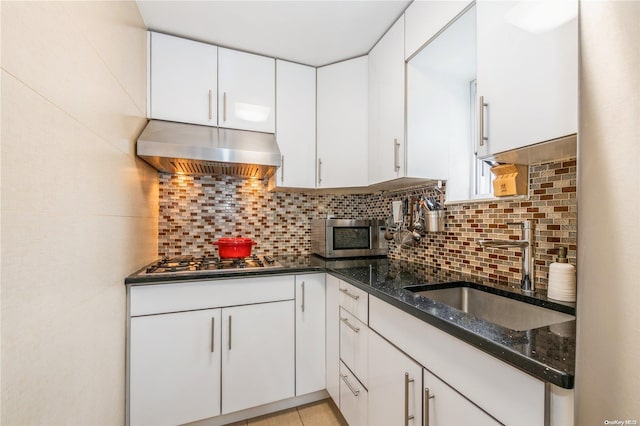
[395, 386]
[353, 398]
[424, 19]
[296, 124]
[444, 406]
[332, 321]
[174, 367]
[246, 86]
[528, 80]
[342, 124]
[485, 380]
[310, 333]
[386, 106]
[439, 106]
[183, 80]
[257, 355]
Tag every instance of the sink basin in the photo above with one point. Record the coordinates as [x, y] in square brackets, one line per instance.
[501, 310]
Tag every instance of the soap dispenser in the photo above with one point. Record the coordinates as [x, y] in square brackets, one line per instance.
[562, 278]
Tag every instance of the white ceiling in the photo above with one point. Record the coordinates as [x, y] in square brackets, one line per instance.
[309, 32]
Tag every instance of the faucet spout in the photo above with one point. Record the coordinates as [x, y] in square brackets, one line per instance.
[527, 283]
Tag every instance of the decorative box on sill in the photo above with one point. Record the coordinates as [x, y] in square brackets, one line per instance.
[510, 179]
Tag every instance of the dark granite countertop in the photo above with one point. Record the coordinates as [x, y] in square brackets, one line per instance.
[547, 353]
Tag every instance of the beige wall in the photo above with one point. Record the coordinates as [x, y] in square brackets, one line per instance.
[79, 211]
[608, 340]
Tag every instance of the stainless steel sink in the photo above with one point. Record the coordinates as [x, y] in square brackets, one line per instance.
[501, 310]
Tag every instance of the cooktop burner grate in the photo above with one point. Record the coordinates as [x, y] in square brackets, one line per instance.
[193, 264]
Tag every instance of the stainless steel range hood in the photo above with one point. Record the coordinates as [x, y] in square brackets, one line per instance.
[201, 150]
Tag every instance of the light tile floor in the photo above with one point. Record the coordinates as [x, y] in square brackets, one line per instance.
[321, 413]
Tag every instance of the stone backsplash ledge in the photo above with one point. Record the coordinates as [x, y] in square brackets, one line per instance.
[197, 210]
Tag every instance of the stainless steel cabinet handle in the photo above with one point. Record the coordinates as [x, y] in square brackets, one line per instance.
[427, 397]
[302, 305]
[224, 106]
[229, 332]
[482, 137]
[213, 333]
[282, 169]
[353, 296]
[353, 390]
[210, 104]
[396, 155]
[319, 171]
[407, 417]
[348, 324]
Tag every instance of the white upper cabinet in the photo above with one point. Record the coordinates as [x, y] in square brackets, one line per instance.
[296, 124]
[246, 86]
[527, 72]
[183, 80]
[386, 106]
[439, 106]
[343, 123]
[424, 19]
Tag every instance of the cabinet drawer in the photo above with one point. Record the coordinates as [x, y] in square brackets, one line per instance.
[480, 377]
[354, 343]
[355, 301]
[191, 295]
[353, 398]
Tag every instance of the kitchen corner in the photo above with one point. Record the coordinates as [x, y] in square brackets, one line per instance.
[190, 150]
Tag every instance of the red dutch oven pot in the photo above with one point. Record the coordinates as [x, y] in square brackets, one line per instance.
[234, 248]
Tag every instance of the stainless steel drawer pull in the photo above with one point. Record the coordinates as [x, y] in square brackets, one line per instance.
[229, 332]
[348, 324]
[224, 106]
[481, 107]
[302, 305]
[213, 333]
[396, 155]
[407, 417]
[427, 397]
[210, 104]
[353, 390]
[353, 296]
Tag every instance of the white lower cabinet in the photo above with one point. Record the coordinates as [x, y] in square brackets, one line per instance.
[258, 355]
[174, 368]
[353, 398]
[444, 406]
[354, 338]
[332, 322]
[395, 385]
[310, 333]
[483, 379]
[200, 349]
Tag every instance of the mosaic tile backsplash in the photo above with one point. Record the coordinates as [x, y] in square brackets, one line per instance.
[197, 210]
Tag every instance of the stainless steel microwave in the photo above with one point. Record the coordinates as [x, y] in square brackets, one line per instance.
[332, 238]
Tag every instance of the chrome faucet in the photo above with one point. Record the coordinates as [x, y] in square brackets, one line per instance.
[527, 284]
